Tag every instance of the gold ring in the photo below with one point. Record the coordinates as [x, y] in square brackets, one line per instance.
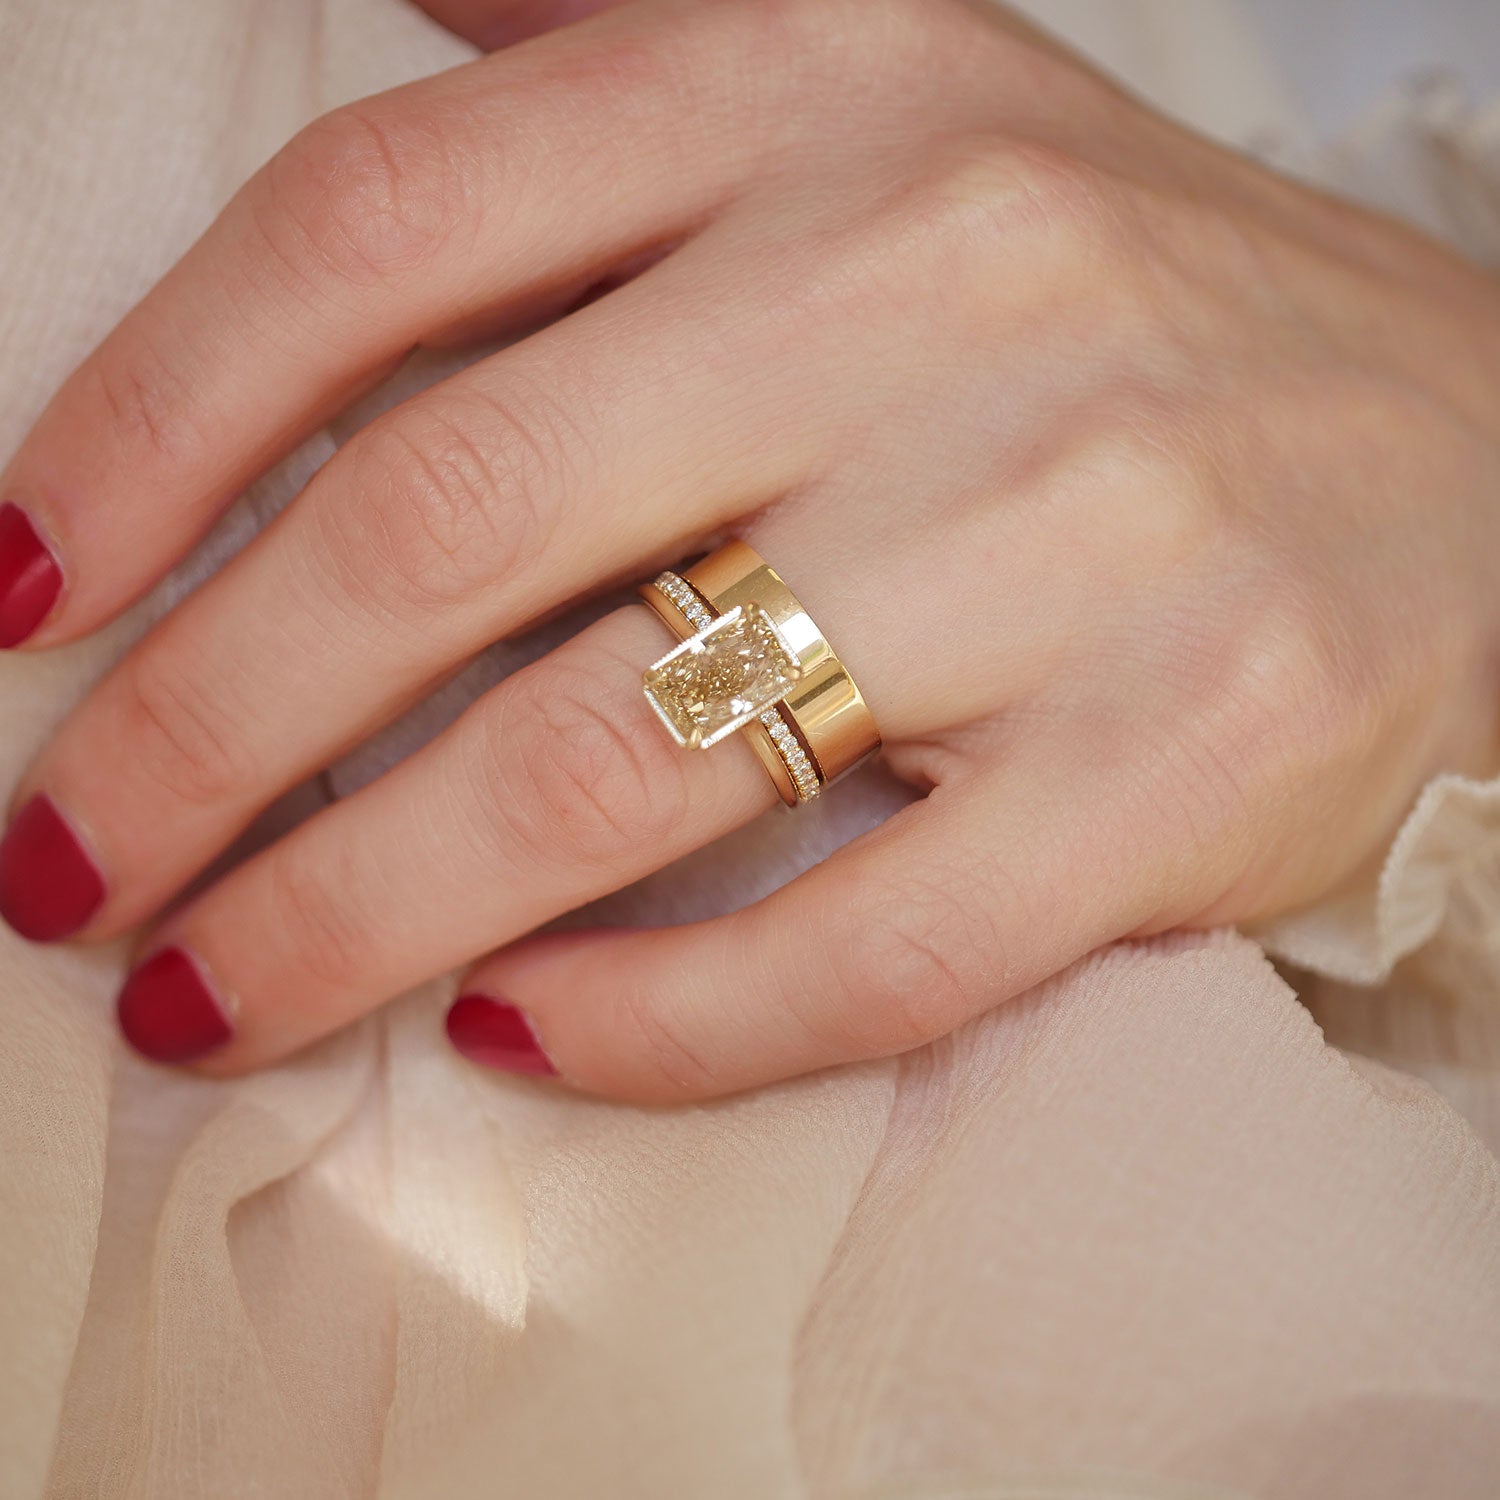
[751, 659]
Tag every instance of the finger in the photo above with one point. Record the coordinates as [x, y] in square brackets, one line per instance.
[955, 904]
[556, 787]
[527, 481]
[497, 185]
[501, 23]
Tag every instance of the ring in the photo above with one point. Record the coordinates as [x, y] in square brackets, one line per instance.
[751, 659]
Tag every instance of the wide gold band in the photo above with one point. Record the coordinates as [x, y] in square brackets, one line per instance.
[820, 726]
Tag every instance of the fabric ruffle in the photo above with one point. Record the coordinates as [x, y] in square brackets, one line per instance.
[1440, 879]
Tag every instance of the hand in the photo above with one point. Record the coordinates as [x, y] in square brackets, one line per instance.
[1153, 501]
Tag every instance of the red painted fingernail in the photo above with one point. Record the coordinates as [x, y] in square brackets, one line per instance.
[49, 885]
[496, 1035]
[169, 1012]
[30, 579]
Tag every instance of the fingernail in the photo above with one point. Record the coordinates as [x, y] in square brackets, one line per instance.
[30, 579]
[49, 885]
[496, 1035]
[169, 1012]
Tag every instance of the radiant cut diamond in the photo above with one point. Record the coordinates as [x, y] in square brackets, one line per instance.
[715, 682]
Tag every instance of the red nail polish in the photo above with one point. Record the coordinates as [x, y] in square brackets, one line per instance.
[496, 1035]
[49, 886]
[168, 1011]
[30, 579]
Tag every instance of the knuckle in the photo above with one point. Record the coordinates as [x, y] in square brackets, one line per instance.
[884, 44]
[152, 407]
[593, 783]
[916, 966]
[1136, 486]
[1263, 694]
[316, 916]
[449, 502]
[367, 192]
[981, 188]
[997, 224]
[1036, 233]
[1294, 682]
[789, 27]
[871, 32]
[661, 1042]
[181, 735]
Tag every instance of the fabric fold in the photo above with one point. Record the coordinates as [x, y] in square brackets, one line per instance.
[1146, 1232]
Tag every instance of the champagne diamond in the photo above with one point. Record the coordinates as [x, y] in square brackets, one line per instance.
[715, 682]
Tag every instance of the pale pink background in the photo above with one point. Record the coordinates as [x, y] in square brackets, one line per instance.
[1146, 1232]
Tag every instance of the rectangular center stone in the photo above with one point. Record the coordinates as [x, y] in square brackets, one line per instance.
[715, 682]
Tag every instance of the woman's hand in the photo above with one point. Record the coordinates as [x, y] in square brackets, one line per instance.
[1154, 503]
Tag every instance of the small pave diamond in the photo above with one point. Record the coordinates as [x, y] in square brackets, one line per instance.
[717, 681]
[795, 758]
[685, 597]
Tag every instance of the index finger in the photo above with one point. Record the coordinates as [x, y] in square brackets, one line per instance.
[377, 227]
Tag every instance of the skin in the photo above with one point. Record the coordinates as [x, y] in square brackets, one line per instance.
[1153, 501]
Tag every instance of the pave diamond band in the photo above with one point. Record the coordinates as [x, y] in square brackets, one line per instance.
[794, 757]
[682, 594]
[751, 659]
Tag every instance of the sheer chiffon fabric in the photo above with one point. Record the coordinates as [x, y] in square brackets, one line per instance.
[1146, 1232]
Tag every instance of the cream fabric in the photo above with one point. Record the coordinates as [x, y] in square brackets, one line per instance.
[1141, 1233]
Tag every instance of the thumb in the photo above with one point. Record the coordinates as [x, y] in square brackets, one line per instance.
[491, 24]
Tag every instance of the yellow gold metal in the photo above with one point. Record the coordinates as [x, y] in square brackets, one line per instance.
[822, 727]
